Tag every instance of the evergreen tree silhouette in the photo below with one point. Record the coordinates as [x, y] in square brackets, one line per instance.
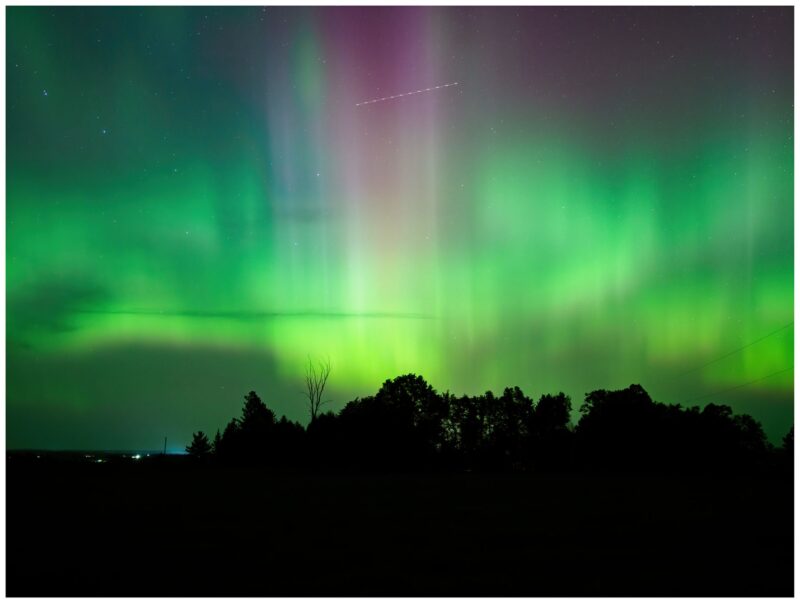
[200, 447]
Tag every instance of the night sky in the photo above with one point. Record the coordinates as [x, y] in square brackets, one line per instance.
[196, 204]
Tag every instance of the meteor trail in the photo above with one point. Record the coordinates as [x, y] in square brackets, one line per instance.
[377, 100]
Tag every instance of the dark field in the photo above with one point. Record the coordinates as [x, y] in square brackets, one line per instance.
[170, 528]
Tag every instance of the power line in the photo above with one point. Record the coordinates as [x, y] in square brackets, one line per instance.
[731, 353]
[725, 391]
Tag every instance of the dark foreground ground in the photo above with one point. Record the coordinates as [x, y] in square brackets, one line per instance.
[150, 528]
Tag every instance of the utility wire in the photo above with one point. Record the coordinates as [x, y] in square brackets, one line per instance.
[731, 353]
[725, 391]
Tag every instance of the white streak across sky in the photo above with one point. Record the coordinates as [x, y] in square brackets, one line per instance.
[385, 98]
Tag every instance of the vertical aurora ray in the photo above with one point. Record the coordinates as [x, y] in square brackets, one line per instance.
[198, 204]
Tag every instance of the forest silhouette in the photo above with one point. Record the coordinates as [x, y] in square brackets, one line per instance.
[412, 492]
[409, 426]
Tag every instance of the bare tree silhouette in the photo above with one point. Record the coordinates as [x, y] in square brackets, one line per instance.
[316, 379]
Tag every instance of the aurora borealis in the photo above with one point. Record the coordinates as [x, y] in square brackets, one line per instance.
[195, 204]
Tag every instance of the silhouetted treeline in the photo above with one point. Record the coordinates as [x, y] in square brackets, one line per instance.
[407, 425]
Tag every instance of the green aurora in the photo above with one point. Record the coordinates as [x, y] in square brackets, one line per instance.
[196, 205]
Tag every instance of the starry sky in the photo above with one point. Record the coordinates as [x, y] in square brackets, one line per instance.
[197, 202]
